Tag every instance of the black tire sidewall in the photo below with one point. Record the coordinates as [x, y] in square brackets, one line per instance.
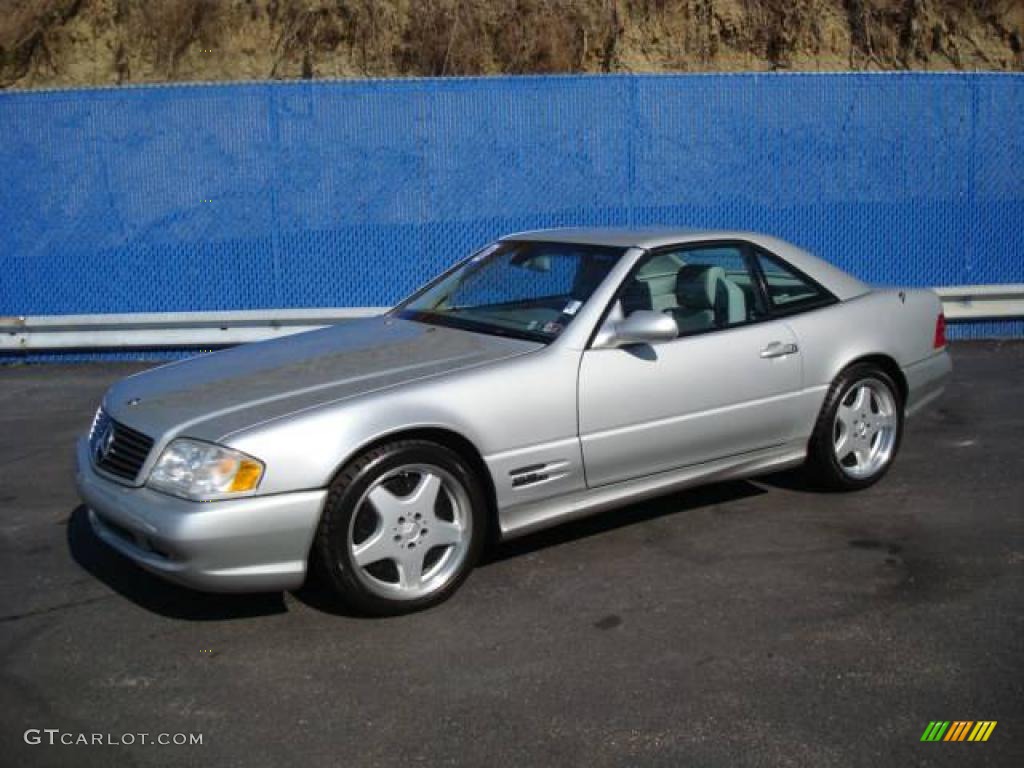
[333, 555]
[822, 454]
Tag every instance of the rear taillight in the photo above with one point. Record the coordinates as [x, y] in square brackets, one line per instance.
[940, 331]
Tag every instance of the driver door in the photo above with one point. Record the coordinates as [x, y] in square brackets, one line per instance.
[726, 386]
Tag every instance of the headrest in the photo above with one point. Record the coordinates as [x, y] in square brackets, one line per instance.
[636, 295]
[588, 276]
[696, 285]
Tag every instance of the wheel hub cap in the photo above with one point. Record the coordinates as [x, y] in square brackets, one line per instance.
[864, 432]
[414, 532]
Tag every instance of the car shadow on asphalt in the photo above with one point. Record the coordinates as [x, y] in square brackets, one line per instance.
[155, 594]
[796, 479]
[603, 522]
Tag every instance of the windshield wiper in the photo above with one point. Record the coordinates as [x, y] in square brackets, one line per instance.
[463, 323]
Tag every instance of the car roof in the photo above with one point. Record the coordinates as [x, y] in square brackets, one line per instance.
[651, 237]
[843, 285]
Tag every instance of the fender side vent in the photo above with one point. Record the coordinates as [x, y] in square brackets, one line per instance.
[537, 473]
[528, 479]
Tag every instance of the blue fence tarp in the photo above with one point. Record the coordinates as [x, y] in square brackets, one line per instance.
[346, 193]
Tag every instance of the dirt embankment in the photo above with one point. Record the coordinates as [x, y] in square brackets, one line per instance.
[101, 42]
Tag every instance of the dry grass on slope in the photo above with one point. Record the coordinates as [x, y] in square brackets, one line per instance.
[98, 42]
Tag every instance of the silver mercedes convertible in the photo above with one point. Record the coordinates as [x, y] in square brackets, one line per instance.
[550, 375]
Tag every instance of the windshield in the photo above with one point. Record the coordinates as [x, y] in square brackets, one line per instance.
[523, 289]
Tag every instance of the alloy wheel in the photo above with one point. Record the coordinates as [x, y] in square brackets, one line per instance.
[865, 428]
[411, 532]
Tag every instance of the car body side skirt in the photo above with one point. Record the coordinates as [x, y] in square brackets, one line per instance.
[534, 516]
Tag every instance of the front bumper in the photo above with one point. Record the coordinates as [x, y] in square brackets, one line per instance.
[253, 544]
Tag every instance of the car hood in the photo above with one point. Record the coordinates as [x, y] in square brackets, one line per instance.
[213, 395]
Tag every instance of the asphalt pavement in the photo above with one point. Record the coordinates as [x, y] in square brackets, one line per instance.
[745, 623]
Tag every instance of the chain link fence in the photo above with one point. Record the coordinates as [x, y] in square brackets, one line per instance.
[351, 193]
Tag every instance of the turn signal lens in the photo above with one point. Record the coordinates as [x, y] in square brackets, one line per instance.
[940, 332]
[247, 477]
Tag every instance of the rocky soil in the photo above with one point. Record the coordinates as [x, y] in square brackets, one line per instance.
[58, 43]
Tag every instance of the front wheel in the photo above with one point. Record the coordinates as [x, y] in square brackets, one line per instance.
[858, 431]
[402, 527]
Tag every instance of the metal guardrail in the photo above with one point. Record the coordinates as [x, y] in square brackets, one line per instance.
[221, 329]
[166, 329]
[982, 302]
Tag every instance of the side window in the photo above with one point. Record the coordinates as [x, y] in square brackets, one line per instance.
[703, 289]
[786, 289]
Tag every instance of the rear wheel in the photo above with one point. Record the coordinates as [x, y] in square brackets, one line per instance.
[402, 527]
[858, 431]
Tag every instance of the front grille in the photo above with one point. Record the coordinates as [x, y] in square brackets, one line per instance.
[117, 449]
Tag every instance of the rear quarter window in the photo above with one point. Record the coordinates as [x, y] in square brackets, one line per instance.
[787, 289]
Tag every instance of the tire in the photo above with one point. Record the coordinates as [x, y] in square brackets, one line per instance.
[403, 525]
[858, 431]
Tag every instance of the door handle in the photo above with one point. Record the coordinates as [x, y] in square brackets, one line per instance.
[778, 349]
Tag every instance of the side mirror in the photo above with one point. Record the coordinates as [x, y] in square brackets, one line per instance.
[645, 327]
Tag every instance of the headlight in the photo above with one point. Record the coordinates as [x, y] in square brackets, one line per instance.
[202, 471]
